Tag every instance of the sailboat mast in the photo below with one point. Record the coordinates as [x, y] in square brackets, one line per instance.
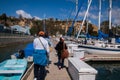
[44, 27]
[76, 6]
[75, 32]
[84, 18]
[99, 19]
[87, 21]
[110, 12]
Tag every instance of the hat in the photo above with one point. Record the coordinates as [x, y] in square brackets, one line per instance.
[41, 33]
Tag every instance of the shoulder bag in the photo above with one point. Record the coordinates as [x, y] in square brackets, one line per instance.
[43, 46]
[45, 49]
[64, 52]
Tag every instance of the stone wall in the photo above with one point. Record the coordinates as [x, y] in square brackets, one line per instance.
[13, 39]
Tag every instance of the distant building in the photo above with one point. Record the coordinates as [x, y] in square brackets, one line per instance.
[20, 29]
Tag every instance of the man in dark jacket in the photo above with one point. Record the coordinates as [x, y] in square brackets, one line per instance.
[59, 48]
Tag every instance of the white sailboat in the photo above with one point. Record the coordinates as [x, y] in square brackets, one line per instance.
[100, 47]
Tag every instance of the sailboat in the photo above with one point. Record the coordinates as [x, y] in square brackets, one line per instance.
[100, 47]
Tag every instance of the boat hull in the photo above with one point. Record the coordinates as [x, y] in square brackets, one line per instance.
[99, 50]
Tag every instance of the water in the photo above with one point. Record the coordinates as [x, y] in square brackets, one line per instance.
[5, 52]
[107, 70]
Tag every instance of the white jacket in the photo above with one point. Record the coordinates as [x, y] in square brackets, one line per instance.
[38, 45]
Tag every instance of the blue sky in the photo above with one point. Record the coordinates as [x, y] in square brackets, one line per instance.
[61, 9]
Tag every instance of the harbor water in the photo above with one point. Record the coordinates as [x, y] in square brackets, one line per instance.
[5, 52]
[107, 70]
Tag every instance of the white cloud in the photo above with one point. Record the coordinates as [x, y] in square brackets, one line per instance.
[93, 8]
[23, 14]
[37, 18]
[81, 13]
[91, 15]
[116, 15]
[26, 15]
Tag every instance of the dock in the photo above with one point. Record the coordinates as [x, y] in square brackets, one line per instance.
[52, 71]
[102, 57]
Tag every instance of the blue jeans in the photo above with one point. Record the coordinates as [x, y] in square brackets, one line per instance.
[39, 72]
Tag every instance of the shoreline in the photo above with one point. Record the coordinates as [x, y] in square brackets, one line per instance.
[13, 43]
[7, 41]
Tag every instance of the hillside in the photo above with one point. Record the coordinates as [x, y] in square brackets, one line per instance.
[51, 25]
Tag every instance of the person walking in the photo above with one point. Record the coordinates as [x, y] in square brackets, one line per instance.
[41, 51]
[59, 48]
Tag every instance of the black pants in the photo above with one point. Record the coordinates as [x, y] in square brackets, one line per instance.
[60, 61]
[39, 72]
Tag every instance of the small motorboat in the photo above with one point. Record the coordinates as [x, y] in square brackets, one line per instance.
[12, 69]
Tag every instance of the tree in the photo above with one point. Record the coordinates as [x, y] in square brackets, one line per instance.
[33, 30]
[37, 26]
[105, 27]
[4, 17]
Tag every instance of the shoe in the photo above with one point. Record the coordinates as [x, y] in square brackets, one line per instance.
[35, 78]
[62, 66]
[59, 67]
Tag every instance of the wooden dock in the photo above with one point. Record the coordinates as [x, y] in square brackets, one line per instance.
[102, 57]
[53, 72]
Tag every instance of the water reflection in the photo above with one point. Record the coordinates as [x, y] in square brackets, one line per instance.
[5, 52]
[107, 70]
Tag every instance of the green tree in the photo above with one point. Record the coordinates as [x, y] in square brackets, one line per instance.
[4, 18]
[105, 27]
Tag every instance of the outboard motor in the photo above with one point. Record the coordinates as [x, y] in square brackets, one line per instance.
[21, 54]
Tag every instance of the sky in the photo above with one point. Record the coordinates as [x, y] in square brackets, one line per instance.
[60, 9]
